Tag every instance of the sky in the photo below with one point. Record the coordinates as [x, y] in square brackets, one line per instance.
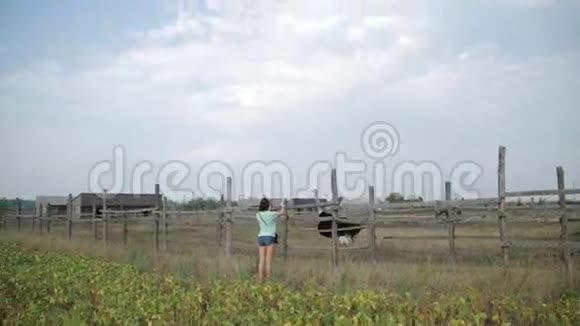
[188, 88]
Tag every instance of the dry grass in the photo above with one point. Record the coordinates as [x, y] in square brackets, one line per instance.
[405, 266]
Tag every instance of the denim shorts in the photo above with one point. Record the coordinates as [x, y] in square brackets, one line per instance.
[265, 241]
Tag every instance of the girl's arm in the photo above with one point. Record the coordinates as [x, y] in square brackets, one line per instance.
[282, 211]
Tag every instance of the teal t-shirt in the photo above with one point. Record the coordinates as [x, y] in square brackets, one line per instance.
[267, 223]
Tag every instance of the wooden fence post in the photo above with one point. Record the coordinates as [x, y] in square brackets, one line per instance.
[95, 234]
[36, 216]
[501, 189]
[48, 221]
[164, 214]
[69, 217]
[40, 215]
[564, 226]
[372, 225]
[105, 219]
[229, 221]
[285, 235]
[19, 213]
[125, 226]
[450, 223]
[156, 217]
[220, 221]
[447, 190]
[334, 187]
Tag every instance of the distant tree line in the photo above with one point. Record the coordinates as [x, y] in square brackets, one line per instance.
[9, 205]
[4, 206]
[395, 197]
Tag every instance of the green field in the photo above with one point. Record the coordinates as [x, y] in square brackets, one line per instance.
[40, 287]
[48, 279]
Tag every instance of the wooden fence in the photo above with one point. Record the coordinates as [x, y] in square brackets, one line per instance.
[374, 216]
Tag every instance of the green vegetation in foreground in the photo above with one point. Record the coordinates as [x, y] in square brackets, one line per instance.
[53, 288]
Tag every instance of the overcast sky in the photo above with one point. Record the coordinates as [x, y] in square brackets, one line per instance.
[295, 82]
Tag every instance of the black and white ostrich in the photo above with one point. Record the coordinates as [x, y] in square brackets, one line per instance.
[345, 238]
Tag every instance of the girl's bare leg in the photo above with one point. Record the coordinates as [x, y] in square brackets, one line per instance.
[261, 263]
[269, 255]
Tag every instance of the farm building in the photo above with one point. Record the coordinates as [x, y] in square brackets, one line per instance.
[83, 203]
[51, 205]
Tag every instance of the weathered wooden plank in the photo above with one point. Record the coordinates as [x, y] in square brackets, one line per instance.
[285, 234]
[229, 219]
[308, 248]
[125, 218]
[501, 194]
[105, 219]
[40, 214]
[94, 223]
[156, 219]
[564, 225]
[411, 223]
[35, 219]
[18, 213]
[401, 211]
[15, 217]
[129, 211]
[331, 203]
[442, 237]
[49, 218]
[56, 217]
[69, 213]
[220, 222]
[451, 226]
[542, 207]
[354, 248]
[438, 204]
[529, 193]
[556, 244]
[144, 219]
[372, 226]
[334, 187]
[165, 223]
[472, 237]
[196, 213]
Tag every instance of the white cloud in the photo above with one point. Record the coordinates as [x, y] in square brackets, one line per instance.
[231, 81]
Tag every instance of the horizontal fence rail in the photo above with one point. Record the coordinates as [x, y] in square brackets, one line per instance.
[530, 193]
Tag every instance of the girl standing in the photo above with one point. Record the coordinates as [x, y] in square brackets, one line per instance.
[267, 237]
